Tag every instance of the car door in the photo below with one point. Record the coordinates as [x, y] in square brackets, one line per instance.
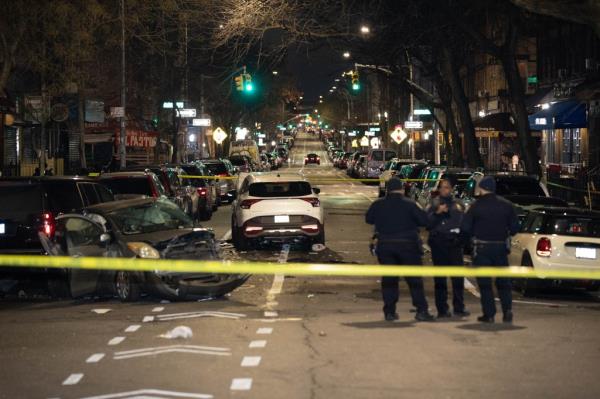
[79, 236]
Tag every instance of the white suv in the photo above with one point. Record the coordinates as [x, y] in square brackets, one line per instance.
[276, 207]
[552, 238]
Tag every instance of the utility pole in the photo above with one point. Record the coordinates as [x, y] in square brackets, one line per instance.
[123, 134]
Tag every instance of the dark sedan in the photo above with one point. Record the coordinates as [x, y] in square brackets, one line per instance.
[146, 228]
[312, 158]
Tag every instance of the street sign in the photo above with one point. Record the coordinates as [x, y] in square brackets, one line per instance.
[398, 135]
[423, 111]
[375, 142]
[117, 112]
[413, 125]
[374, 129]
[354, 143]
[219, 135]
[364, 142]
[201, 122]
[186, 113]
[169, 104]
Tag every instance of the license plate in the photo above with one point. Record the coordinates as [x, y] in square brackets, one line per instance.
[586, 253]
[282, 219]
[2, 228]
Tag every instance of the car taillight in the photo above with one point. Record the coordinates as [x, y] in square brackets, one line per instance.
[223, 175]
[48, 225]
[544, 247]
[310, 228]
[246, 204]
[318, 158]
[306, 159]
[313, 201]
[253, 230]
[202, 191]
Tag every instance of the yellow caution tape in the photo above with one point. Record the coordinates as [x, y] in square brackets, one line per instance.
[312, 178]
[298, 269]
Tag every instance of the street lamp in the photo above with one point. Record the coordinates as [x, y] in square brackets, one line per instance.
[320, 101]
[346, 54]
[275, 73]
[365, 30]
[316, 111]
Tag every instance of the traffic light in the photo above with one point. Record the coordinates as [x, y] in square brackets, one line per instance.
[239, 83]
[248, 82]
[355, 81]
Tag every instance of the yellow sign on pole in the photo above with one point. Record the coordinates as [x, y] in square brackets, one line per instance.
[219, 135]
[354, 143]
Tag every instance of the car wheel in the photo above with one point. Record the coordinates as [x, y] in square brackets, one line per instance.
[206, 214]
[528, 286]
[126, 286]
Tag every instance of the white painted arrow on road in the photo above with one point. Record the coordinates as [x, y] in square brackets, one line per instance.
[159, 350]
[191, 315]
[151, 394]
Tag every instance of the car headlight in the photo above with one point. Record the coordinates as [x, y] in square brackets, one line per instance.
[143, 250]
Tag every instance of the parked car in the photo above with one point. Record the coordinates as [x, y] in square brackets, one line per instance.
[265, 164]
[128, 185]
[351, 170]
[506, 184]
[206, 200]
[276, 207]
[343, 162]
[393, 168]
[459, 178]
[224, 172]
[550, 237]
[312, 158]
[376, 158]
[30, 205]
[148, 228]
[241, 163]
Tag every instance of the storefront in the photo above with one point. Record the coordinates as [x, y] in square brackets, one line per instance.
[564, 135]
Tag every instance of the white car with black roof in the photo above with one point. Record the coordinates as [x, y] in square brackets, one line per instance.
[276, 207]
[554, 238]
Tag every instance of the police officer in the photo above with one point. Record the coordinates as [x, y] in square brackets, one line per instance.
[445, 216]
[490, 221]
[397, 220]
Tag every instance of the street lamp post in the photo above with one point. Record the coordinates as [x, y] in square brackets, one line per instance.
[122, 136]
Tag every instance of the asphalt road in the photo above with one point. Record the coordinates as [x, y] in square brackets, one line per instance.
[280, 336]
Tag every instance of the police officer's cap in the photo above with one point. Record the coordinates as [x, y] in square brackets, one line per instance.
[395, 184]
[488, 183]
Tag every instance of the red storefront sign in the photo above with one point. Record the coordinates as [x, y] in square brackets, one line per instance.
[139, 138]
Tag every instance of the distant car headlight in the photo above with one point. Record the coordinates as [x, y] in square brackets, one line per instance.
[143, 250]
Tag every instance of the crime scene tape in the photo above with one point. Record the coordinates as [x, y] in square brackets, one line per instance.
[312, 178]
[296, 269]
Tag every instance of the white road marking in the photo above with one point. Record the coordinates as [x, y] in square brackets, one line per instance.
[241, 384]
[159, 350]
[116, 341]
[551, 304]
[133, 328]
[271, 313]
[264, 330]
[152, 393]
[471, 288]
[148, 319]
[191, 315]
[258, 344]
[158, 309]
[95, 358]
[165, 301]
[101, 311]
[73, 379]
[251, 361]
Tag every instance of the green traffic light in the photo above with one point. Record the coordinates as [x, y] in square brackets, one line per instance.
[355, 86]
[249, 87]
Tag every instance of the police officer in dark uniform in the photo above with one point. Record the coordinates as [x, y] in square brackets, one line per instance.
[490, 221]
[397, 220]
[445, 217]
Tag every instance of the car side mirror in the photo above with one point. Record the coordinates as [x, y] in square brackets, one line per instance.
[105, 238]
[316, 190]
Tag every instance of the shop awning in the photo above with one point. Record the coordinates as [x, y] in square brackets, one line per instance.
[562, 115]
[499, 122]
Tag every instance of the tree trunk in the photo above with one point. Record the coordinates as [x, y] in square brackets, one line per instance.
[527, 146]
[464, 114]
[81, 128]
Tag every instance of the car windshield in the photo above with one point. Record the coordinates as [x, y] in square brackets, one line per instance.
[129, 185]
[280, 189]
[217, 168]
[192, 171]
[519, 186]
[581, 226]
[150, 217]
[238, 161]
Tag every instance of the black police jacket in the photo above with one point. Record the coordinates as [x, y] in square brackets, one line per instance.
[445, 225]
[490, 218]
[396, 218]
